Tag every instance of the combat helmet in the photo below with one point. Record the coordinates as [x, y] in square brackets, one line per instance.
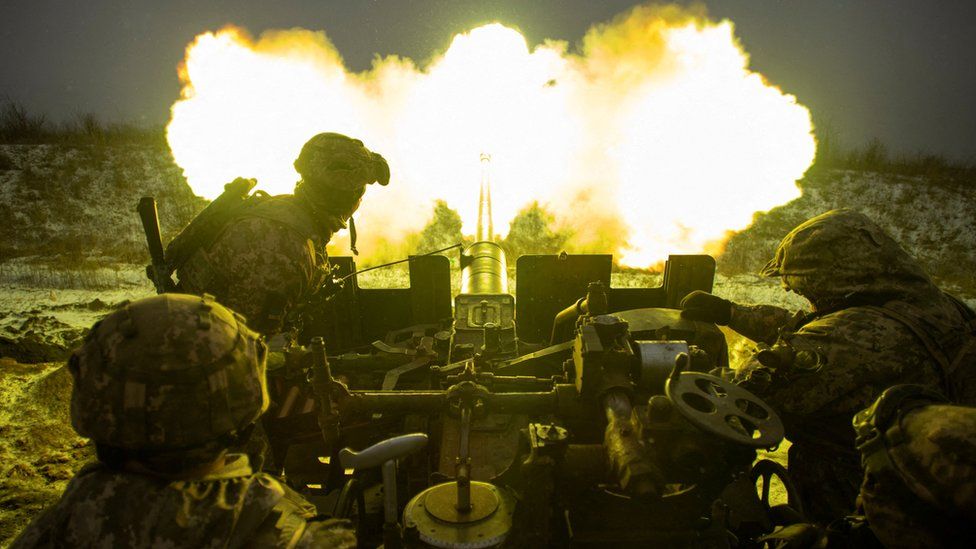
[335, 170]
[168, 373]
[340, 162]
[843, 253]
[919, 457]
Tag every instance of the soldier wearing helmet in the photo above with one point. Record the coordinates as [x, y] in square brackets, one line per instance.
[919, 488]
[919, 456]
[877, 320]
[163, 387]
[269, 256]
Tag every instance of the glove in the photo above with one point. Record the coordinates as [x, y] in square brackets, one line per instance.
[703, 306]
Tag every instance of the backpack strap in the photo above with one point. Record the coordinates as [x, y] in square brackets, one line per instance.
[969, 347]
[947, 365]
[204, 229]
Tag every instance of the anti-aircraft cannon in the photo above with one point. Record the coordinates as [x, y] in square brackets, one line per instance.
[572, 413]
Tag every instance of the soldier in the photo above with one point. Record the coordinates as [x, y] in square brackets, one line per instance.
[919, 456]
[919, 489]
[877, 320]
[163, 386]
[269, 257]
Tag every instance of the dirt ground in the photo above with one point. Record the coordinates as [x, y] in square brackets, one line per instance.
[39, 452]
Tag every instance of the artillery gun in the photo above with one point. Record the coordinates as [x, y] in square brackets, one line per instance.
[570, 414]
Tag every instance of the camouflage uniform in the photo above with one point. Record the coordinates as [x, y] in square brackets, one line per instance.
[232, 507]
[919, 489]
[270, 257]
[825, 366]
[164, 386]
[919, 457]
[264, 263]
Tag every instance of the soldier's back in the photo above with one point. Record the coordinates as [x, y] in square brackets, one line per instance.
[262, 264]
[103, 507]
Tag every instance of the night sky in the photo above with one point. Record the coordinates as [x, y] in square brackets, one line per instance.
[900, 70]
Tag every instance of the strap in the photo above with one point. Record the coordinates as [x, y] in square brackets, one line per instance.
[967, 313]
[204, 229]
[931, 345]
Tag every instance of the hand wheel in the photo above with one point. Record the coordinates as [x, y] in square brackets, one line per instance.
[767, 470]
[724, 409]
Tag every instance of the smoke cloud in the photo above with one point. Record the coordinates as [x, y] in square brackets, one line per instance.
[651, 137]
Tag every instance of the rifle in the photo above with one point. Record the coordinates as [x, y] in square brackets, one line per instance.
[158, 271]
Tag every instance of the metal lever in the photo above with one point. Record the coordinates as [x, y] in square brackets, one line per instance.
[386, 453]
[383, 451]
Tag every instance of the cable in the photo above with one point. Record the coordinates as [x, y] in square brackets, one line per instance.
[411, 258]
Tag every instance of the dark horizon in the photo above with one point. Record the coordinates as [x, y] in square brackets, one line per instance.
[898, 71]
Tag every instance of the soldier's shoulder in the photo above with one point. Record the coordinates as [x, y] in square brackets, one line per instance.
[283, 211]
[863, 346]
[96, 492]
[261, 235]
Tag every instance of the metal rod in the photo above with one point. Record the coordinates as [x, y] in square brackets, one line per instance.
[389, 492]
[463, 469]
[391, 526]
[433, 401]
[397, 262]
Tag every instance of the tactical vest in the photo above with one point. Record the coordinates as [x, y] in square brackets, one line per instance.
[209, 223]
[189, 257]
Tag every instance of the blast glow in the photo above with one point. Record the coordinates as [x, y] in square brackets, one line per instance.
[654, 139]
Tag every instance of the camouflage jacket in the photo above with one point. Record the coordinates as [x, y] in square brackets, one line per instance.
[230, 508]
[841, 362]
[824, 367]
[264, 263]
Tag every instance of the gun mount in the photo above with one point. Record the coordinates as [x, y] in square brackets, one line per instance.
[570, 414]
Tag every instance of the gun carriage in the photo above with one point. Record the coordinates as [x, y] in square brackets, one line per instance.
[571, 413]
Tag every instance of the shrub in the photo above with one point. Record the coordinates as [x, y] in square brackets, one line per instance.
[531, 232]
[443, 229]
[874, 156]
[17, 125]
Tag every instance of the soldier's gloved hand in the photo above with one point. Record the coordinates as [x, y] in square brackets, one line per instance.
[703, 306]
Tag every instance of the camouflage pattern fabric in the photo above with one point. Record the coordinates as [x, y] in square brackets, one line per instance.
[340, 162]
[847, 352]
[265, 263]
[761, 323]
[271, 258]
[928, 497]
[232, 507]
[169, 372]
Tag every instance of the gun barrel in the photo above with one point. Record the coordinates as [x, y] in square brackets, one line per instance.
[486, 229]
[485, 270]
